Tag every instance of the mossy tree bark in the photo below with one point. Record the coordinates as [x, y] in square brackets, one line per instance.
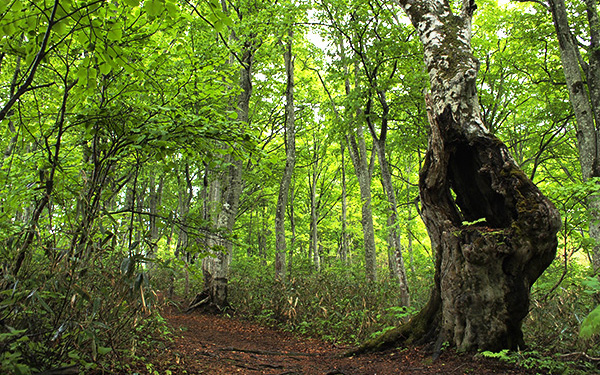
[492, 230]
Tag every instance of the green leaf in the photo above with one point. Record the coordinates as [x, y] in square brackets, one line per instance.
[591, 324]
[132, 3]
[60, 28]
[126, 265]
[21, 369]
[17, 6]
[592, 285]
[8, 29]
[219, 26]
[154, 7]
[105, 68]
[42, 302]
[115, 33]
[103, 350]
[172, 9]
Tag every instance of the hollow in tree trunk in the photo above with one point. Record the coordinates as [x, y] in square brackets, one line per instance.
[492, 230]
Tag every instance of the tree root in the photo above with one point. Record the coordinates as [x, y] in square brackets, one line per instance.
[267, 352]
[423, 328]
[204, 302]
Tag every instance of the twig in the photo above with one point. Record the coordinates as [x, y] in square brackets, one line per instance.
[580, 354]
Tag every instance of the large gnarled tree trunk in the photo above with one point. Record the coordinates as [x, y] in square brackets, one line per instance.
[492, 230]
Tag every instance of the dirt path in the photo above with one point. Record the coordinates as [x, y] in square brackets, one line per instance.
[209, 344]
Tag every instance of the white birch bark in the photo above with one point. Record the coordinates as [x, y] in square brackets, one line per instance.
[452, 68]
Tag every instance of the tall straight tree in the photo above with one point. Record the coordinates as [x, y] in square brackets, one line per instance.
[394, 244]
[583, 82]
[226, 188]
[290, 152]
[363, 168]
[344, 251]
[492, 230]
[315, 174]
[379, 71]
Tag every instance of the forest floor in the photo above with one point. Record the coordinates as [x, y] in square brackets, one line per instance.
[213, 344]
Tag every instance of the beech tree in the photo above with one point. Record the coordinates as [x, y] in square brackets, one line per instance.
[582, 75]
[492, 230]
[290, 151]
[144, 153]
[225, 186]
[363, 167]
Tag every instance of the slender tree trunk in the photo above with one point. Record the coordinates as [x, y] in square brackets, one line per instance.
[284, 186]
[409, 235]
[293, 230]
[263, 233]
[358, 154]
[585, 103]
[224, 195]
[393, 238]
[314, 234]
[344, 239]
[484, 270]
[363, 170]
[185, 193]
[47, 178]
[154, 199]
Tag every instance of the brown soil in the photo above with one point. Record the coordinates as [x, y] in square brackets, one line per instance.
[211, 344]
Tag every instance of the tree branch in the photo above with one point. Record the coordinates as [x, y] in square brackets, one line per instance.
[34, 65]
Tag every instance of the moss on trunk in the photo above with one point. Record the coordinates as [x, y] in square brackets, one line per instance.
[493, 233]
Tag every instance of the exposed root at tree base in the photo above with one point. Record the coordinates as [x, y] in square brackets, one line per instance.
[422, 329]
[204, 303]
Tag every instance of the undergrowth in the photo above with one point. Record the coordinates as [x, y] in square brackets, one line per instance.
[339, 305]
[98, 316]
[336, 304]
[575, 364]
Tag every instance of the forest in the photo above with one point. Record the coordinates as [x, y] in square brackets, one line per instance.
[377, 174]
